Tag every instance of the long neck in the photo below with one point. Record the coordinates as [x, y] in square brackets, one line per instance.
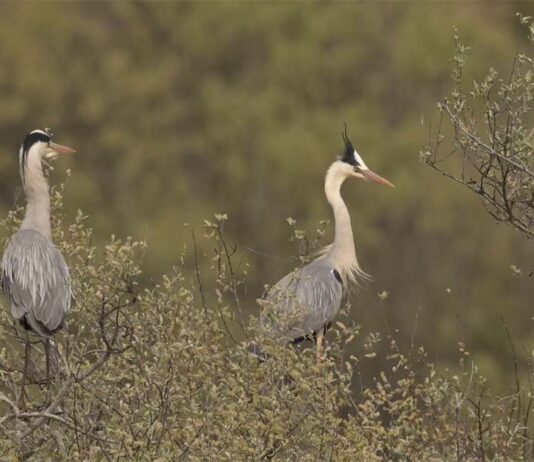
[37, 215]
[342, 253]
[343, 245]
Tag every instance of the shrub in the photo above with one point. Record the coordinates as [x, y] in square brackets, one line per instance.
[165, 372]
[483, 139]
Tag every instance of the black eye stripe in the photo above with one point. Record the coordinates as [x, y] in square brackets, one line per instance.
[350, 159]
[29, 140]
[32, 138]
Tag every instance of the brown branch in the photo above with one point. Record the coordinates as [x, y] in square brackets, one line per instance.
[488, 149]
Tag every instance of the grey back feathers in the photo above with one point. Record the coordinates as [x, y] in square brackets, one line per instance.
[303, 302]
[35, 279]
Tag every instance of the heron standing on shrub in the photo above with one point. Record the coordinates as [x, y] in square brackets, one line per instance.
[35, 277]
[304, 303]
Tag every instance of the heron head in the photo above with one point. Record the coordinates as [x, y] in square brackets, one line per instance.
[40, 142]
[38, 146]
[355, 167]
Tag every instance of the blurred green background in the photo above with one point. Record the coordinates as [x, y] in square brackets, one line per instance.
[183, 110]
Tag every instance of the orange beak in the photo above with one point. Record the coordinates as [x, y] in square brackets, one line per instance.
[55, 150]
[60, 149]
[371, 176]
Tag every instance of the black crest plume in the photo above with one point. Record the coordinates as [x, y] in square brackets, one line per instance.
[348, 153]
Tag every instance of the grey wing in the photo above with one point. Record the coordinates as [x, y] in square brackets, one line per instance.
[35, 279]
[303, 302]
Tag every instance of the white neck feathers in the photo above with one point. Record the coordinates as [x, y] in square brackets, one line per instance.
[341, 254]
[37, 216]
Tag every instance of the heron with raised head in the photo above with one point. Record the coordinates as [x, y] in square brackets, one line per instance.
[35, 277]
[304, 303]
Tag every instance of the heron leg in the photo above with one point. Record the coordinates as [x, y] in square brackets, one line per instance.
[319, 346]
[47, 355]
[27, 350]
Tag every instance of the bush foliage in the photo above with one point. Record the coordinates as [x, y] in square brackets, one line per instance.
[165, 372]
[483, 139]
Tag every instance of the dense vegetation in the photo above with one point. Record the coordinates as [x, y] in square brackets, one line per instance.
[183, 111]
[157, 373]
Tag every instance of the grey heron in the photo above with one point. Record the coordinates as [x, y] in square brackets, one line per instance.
[35, 277]
[304, 303]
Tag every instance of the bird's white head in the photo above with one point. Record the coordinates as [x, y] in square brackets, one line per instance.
[351, 165]
[38, 146]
